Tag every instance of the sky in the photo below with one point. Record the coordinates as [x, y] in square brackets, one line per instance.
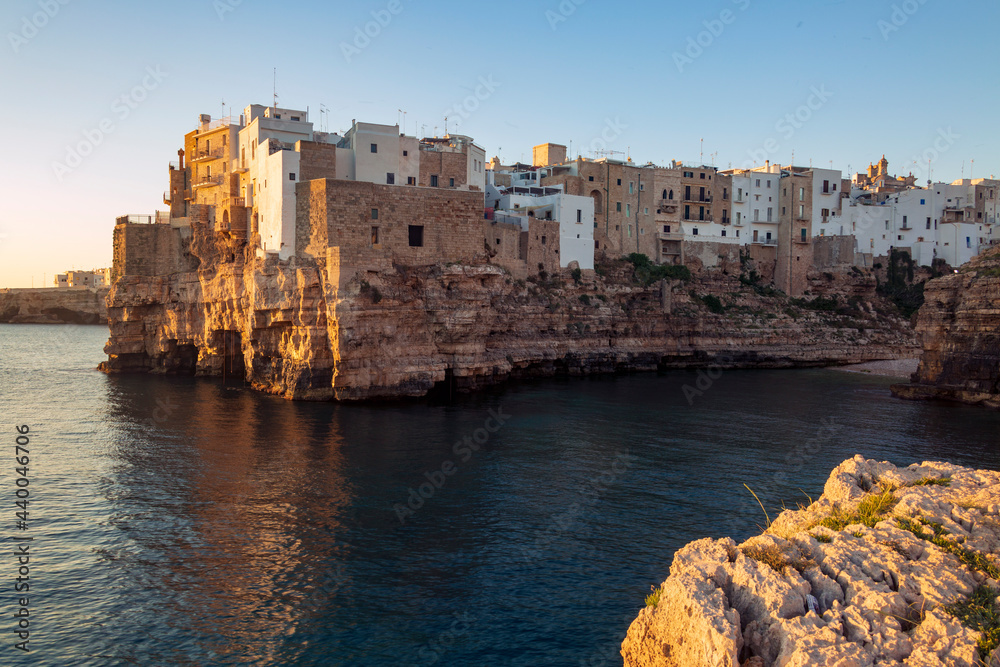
[100, 93]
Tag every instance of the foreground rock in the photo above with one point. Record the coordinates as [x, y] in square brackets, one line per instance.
[960, 326]
[864, 576]
[54, 306]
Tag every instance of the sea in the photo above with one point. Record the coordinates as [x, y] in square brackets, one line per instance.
[157, 520]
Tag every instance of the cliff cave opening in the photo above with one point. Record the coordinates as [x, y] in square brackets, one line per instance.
[233, 364]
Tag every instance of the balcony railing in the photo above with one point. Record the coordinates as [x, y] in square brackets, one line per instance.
[707, 218]
[707, 199]
[205, 155]
[208, 181]
[765, 241]
[236, 201]
[671, 236]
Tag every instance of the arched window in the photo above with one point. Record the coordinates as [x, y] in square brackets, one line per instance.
[671, 195]
[596, 194]
[664, 194]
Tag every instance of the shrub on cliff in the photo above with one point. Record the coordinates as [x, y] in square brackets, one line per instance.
[647, 273]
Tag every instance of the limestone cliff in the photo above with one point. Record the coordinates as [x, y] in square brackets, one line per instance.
[54, 306]
[960, 327]
[314, 330]
[889, 567]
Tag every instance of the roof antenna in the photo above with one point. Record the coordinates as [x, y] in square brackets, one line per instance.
[446, 126]
[275, 89]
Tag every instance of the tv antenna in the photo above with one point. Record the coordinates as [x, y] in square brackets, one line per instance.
[404, 119]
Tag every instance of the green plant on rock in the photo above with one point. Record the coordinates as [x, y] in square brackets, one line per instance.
[577, 275]
[980, 613]
[872, 509]
[775, 558]
[585, 299]
[653, 598]
[972, 559]
[713, 303]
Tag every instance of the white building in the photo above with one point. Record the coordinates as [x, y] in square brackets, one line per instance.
[379, 154]
[575, 215]
[755, 204]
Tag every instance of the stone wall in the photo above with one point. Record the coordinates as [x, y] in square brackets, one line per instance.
[316, 160]
[148, 250]
[445, 166]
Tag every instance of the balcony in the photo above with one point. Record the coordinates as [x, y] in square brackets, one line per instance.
[707, 218]
[208, 181]
[698, 199]
[771, 241]
[671, 236]
[236, 202]
[207, 155]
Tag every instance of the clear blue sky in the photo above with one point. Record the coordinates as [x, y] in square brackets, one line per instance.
[556, 75]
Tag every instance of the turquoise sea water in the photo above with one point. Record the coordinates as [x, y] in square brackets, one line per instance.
[179, 522]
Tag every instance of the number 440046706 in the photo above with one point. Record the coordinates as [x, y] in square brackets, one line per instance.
[21, 457]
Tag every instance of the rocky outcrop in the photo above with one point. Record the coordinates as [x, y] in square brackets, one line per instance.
[960, 328]
[54, 306]
[891, 566]
[315, 330]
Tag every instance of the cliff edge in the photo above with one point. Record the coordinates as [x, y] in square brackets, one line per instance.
[54, 306]
[891, 566]
[960, 327]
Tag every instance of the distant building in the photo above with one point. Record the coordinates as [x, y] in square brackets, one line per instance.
[83, 279]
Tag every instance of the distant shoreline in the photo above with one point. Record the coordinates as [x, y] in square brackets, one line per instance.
[896, 368]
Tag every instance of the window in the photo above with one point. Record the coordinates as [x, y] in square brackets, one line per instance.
[904, 222]
[687, 211]
[769, 236]
[802, 194]
[579, 215]
[630, 231]
[416, 236]
[923, 202]
[666, 229]
[628, 210]
[770, 212]
[451, 182]
[826, 187]
[390, 179]
[825, 213]
[739, 218]
[642, 187]
[374, 148]
[725, 193]
[802, 211]
[756, 215]
[928, 223]
[671, 195]
[295, 118]
[374, 214]
[406, 153]
[434, 180]
[758, 182]
[618, 207]
[737, 233]
[702, 175]
[723, 232]
[291, 176]
[768, 183]
[803, 234]
[590, 178]
[410, 180]
[968, 242]
[646, 211]
[899, 237]
[253, 149]
[695, 231]
[631, 188]
[375, 239]
[543, 239]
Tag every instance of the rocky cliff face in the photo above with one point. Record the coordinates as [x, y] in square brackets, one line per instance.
[960, 328]
[889, 567]
[54, 306]
[312, 330]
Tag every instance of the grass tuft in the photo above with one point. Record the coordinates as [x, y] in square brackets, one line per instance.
[653, 598]
[932, 481]
[869, 512]
[970, 558]
[980, 613]
[775, 558]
